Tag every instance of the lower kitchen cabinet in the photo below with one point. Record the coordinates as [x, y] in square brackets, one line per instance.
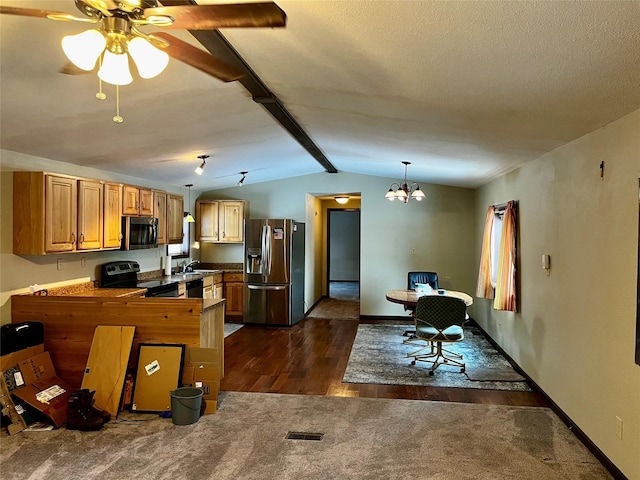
[233, 293]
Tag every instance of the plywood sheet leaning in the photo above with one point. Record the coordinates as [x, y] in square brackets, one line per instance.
[158, 372]
[107, 365]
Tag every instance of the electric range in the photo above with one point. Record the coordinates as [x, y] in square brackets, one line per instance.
[124, 274]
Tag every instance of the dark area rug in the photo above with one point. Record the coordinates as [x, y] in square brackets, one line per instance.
[379, 356]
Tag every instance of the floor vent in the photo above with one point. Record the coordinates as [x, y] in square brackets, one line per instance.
[304, 436]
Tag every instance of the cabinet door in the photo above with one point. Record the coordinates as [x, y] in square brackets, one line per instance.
[61, 200]
[130, 200]
[233, 294]
[160, 212]
[175, 208]
[231, 221]
[112, 235]
[207, 221]
[90, 214]
[146, 203]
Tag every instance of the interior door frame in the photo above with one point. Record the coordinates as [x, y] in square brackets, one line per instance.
[328, 242]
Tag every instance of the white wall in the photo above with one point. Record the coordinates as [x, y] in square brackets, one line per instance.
[441, 229]
[575, 333]
[18, 272]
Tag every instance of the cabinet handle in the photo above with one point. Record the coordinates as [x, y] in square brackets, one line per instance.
[81, 238]
[224, 234]
[120, 236]
[73, 238]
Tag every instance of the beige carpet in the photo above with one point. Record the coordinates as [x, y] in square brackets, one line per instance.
[363, 439]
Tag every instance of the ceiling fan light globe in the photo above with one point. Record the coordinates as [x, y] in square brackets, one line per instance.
[115, 69]
[84, 48]
[149, 60]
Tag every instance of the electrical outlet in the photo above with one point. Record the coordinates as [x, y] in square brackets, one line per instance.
[413, 251]
[619, 427]
[59, 264]
[83, 262]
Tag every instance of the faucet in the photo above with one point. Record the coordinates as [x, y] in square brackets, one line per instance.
[188, 267]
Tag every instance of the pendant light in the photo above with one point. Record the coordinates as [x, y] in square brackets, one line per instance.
[189, 218]
[241, 181]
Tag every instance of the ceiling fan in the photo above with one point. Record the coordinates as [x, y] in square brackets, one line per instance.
[118, 33]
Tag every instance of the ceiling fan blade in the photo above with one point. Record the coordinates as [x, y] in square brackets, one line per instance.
[29, 12]
[199, 59]
[211, 17]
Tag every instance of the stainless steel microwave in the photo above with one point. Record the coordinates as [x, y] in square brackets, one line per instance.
[139, 232]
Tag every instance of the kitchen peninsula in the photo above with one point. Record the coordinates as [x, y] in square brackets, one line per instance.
[70, 321]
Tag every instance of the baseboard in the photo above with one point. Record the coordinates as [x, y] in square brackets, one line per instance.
[580, 435]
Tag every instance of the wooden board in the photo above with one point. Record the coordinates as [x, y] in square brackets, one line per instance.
[107, 365]
[158, 372]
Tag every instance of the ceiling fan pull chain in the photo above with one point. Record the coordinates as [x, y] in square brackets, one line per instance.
[118, 118]
[100, 95]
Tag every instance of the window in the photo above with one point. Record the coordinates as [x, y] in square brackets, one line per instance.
[181, 250]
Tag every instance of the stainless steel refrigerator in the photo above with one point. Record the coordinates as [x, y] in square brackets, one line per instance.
[273, 271]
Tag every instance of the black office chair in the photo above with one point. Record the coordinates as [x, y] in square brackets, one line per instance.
[414, 278]
[439, 319]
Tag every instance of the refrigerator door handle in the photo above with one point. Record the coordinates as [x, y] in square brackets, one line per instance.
[267, 240]
[267, 287]
[263, 245]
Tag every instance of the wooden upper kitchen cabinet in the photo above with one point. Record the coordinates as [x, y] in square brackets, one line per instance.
[55, 213]
[44, 213]
[160, 212]
[221, 221]
[112, 236]
[175, 216]
[90, 214]
[137, 201]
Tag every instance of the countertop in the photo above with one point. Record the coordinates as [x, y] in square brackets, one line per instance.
[110, 292]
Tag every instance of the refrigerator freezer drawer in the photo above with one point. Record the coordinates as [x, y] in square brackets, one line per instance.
[267, 304]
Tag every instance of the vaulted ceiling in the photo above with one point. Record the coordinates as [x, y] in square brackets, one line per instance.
[466, 91]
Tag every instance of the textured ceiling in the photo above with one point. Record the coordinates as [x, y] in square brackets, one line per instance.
[465, 91]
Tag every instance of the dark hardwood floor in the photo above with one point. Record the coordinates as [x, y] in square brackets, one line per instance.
[310, 358]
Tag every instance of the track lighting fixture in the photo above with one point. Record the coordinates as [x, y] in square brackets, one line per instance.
[201, 167]
[241, 181]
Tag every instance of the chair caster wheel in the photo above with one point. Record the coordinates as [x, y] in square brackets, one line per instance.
[413, 363]
[431, 373]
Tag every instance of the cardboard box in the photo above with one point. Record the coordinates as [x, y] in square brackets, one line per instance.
[44, 391]
[14, 358]
[201, 370]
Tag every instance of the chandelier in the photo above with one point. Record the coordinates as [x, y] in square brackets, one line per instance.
[402, 191]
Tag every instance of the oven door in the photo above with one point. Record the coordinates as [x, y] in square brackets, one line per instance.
[169, 290]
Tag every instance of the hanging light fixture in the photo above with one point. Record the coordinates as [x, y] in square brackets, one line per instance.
[189, 218]
[112, 44]
[404, 191]
[200, 169]
[241, 181]
[341, 199]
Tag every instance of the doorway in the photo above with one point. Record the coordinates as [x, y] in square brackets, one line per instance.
[343, 254]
